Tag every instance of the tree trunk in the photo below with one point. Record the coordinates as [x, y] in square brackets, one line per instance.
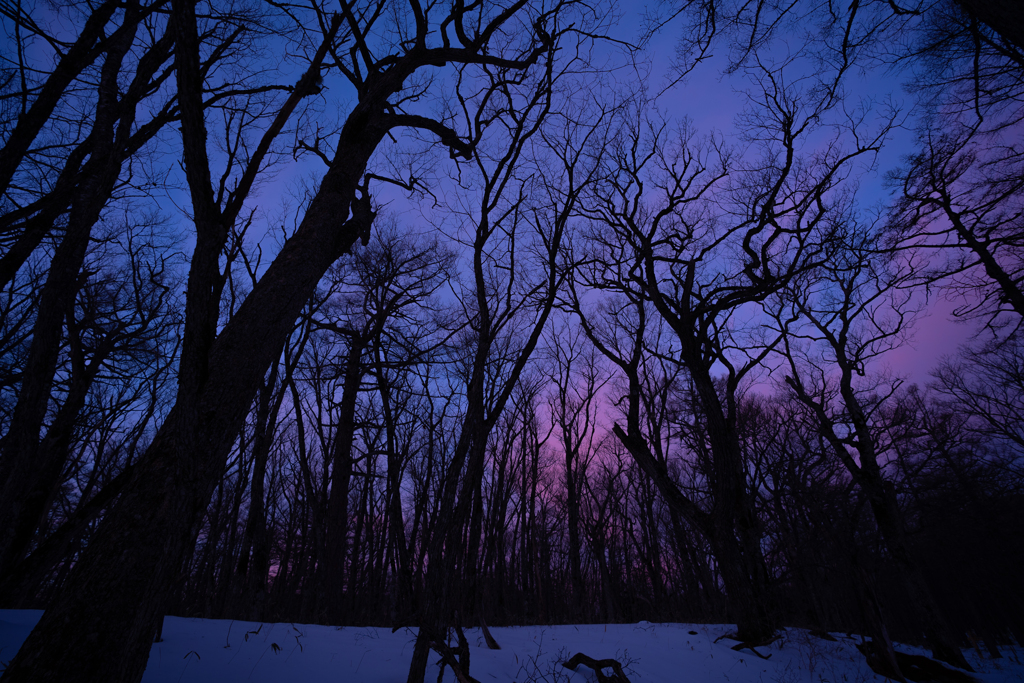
[251, 573]
[105, 618]
[26, 476]
[30, 471]
[118, 586]
[575, 550]
[341, 475]
[882, 499]
[1005, 17]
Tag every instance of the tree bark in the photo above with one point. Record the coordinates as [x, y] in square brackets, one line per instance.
[333, 576]
[102, 623]
[1005, 17]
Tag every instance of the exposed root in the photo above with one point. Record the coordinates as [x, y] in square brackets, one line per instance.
[448, 658]
[598, 665]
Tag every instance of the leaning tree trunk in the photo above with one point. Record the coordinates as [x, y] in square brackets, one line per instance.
[729, 528]
[881, 497]
[112, 600]
[101, 624]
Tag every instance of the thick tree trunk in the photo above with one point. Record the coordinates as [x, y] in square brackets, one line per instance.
[113, 598]
[736, 536]
[939, 635]
[1005, 17]
[117, 588]
[742, 571]
[745, 593]
[19, 584]
[100, 626]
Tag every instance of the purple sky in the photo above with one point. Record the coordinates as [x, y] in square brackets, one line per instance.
[711, 101]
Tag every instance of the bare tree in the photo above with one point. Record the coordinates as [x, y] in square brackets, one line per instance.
[384, 284]
[113, 139]
[117, 333]
[700, 252]
[119, 585]
[963, 40]
[578, 381]
[986, 383]
[532, 174]
[858, 308]
[960, 206]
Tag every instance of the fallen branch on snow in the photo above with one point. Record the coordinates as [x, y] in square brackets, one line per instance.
[598, 665]
[749, 644]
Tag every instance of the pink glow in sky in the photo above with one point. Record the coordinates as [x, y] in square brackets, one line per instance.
[711, 101]
[937, 335]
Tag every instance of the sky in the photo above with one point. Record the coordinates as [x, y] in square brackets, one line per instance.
[713, 100]
[710, 100]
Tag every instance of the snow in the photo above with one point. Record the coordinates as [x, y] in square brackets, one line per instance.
[216, 651]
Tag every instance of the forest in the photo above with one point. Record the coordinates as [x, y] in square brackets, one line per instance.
[427, 314]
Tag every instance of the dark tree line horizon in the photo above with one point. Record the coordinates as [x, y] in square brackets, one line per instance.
[512, 345]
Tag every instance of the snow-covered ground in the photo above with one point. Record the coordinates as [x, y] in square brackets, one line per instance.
[209, 651]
